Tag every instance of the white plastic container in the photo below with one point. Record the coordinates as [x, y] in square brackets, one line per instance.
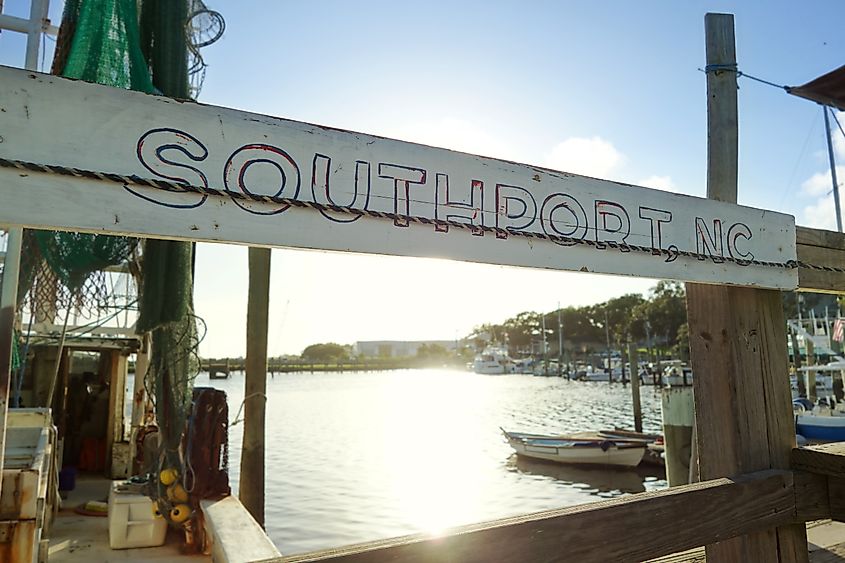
[132, 521]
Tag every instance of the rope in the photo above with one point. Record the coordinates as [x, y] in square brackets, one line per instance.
[670, 254]
[238, 419]
[732, 68]
[836, 119]
[59, 355]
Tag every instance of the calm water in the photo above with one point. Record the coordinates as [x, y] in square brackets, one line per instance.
[357, 457]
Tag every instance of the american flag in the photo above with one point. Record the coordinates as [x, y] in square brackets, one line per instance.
[839, 330]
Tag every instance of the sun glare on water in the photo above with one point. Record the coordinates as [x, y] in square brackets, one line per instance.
[426, 460]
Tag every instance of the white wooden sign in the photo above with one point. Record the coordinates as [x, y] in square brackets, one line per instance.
[365, 193]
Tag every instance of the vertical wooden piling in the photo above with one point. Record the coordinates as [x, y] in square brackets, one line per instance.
[737, 341]
[677, 413]
[251, 491]
[811, 374]
[635, 387]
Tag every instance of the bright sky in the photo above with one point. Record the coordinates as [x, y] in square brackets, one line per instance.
[609, 89]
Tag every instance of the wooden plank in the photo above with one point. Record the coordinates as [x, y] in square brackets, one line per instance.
[825, 459]
[234, 533]
[507, 210]
[632, 528]
[696, 555]
[742, 401]
[738, 350]
[820, 248]
[836, 498]
[812, 500]
[806, 236]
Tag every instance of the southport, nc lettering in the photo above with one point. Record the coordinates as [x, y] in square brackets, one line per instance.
[407, 190]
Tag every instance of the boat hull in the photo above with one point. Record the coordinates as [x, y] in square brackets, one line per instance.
[490, 368]
[823, 428]
[593, 454]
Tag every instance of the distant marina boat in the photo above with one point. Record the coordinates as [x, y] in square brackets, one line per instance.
[824, 375]
[824, 422]
[493, 361]
[820, 428]
[599, 375]
[575, 450]
[546, 368]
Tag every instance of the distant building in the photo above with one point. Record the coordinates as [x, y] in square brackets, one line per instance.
[397, 348]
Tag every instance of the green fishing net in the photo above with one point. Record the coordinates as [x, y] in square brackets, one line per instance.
[75, 256]
[106, 46]
[99, 42]
[149, 46]
[16, 355]
[167, 285]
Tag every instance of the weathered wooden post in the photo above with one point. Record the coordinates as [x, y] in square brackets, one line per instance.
[635, 387]
[251, 491]
[623, 359]
[737, 340]
[678, 418]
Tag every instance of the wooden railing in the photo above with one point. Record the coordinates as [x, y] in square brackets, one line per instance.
[635, 528]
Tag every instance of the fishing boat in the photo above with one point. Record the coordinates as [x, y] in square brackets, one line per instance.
[493, 361]
[577, 450]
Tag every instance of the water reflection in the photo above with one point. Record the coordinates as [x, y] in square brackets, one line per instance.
[358, 457]
[599, 481]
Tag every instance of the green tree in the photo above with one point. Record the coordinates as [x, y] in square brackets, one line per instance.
[324, 353]
[580, 328]
[620, 314]
[681, 347]
[523, 330]
[666, 311]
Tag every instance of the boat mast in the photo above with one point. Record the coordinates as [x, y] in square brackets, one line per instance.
[830, 156]
[545, 346]
[607, 336]
[559, 341]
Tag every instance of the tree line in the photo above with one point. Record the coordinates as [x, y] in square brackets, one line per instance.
[657, 321]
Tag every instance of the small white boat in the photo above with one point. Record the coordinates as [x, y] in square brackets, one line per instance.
[493, 361]
[579, 451]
